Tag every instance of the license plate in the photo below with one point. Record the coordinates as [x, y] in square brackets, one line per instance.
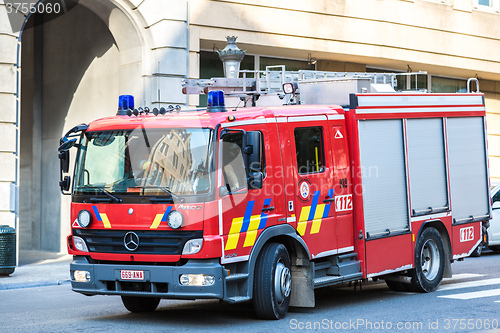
[131, 275]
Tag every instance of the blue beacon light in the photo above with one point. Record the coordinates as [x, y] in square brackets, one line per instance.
[216, 101]
[125, 102]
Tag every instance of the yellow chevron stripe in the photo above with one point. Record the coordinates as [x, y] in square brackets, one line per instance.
[316, 225]
[304, 213]
[320, 209]
[157, 221]
[301, 228]
[250, 238]
[105, 221]
[302, 225]
[236, 225]
[254, 222]
[232, 241]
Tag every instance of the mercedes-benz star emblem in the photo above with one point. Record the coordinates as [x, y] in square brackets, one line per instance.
[131, 241]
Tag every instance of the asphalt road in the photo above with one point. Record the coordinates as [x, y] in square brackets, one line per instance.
[469, 302]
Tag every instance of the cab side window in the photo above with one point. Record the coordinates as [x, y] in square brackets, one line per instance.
[309, 149]
[233, 163]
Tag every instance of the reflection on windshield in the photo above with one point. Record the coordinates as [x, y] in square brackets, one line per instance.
[145, 162]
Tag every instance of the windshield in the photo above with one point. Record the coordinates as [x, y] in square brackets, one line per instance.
[156, 162]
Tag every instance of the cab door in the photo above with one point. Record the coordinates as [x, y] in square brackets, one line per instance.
[313, 175]
[343, 185]
[245, 210]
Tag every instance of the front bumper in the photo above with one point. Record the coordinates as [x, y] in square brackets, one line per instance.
[159, 281]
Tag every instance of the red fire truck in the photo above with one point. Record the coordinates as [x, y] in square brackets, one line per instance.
[349, 180]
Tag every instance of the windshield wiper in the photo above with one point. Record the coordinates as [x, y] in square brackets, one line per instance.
[166, 190]
[103, 190]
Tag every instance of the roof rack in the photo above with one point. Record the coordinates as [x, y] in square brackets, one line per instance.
[253, 85]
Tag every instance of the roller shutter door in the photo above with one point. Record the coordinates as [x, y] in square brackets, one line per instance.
[383, 176]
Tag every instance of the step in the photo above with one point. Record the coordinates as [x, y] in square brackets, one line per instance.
[330, 280]
[327, 281]
[238, 299]
[236, 277]
[322, 265]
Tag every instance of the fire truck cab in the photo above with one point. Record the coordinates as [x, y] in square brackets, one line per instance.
[268, 203]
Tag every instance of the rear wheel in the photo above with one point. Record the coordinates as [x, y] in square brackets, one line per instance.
[429, 261]
[494, 248]
[477, 251]
[273, 282]
[140, 304]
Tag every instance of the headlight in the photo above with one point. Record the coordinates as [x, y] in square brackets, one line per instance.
[196, 280]
[80, 244]
[174, 219]
[84, 218]
[81, 276]
[193, 246]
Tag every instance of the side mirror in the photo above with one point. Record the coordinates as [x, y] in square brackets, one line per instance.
[252, 149]
[496, 205]
[255, 180]
[66, 143]
[64, 161]
[223, 191]
[65, 183]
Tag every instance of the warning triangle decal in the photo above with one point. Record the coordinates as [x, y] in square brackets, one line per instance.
[338, 135]
[75, 224]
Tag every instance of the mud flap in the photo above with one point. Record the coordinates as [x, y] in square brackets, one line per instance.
[302, 294]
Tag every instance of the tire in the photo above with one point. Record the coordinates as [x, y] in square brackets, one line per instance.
[477, 251]
[140, 304]
[272, 282]
[398, 285]
[429, 262]
[494, 248]
[6, 271]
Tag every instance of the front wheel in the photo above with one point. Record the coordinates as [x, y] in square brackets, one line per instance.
[397, 285]
[273, 282]
[429, 262]
[140, 304]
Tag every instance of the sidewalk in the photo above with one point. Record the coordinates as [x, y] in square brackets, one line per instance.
[38, 268]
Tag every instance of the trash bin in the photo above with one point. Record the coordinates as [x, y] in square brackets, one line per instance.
[7, 250]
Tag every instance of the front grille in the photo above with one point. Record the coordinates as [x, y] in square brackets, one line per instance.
[150, 242]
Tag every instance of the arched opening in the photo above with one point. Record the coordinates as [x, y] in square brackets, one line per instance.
[73, 68]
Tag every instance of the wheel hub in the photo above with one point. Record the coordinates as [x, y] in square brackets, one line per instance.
[282, 282]
[430, 259]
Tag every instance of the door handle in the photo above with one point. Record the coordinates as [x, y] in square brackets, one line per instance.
[329, 200]
[267, 209]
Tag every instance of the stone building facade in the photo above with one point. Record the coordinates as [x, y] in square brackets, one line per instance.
[71, 69]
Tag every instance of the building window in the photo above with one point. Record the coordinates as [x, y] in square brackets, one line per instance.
[211, 66]
[447, 85]
[290, 64]
[487, 4]
[175, 160]
[309, 149]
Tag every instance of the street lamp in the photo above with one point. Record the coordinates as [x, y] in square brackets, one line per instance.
[231, 57]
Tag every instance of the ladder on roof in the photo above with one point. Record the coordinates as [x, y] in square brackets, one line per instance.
[271, 80]
[261, 84]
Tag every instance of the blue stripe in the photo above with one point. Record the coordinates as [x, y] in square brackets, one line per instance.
[164, 218]
[97, 215]
[263, 215]
[314, 205]
[327, 207]
[248, 215]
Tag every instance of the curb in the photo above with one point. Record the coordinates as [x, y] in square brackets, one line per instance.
[33, 284]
